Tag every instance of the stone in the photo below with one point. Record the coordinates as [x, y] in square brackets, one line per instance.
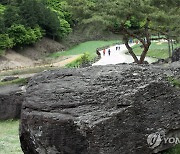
[9, 78]
[11, 99]
[176, 55]
[100, 110]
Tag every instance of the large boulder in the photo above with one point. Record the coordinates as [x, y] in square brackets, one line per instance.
[100, 110]
[11, 99]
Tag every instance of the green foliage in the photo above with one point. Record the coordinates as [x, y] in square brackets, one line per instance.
[19, 34]
[11, 16]
[156, 50]
[24, 36]
[167, 19]
[2, 8]
[2, 25]
[82, 61]
[51, 18]
[65, 28]
[26, 21]
[29, 12]
[59, 7]
[38, 32]
[175, 82]
[5, 42]
[133, 19]
[174, 150]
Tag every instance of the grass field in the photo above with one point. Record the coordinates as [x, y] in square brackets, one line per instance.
[9, 137]
[88, 47]
[157, 50]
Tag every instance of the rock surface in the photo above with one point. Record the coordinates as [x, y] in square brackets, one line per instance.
[100, 110]
[176, 55]
[11, 99]
[9, 78]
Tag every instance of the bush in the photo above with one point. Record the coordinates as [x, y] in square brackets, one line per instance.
[19, 34]
[38, 32]
[5, 42]
[65, 28]
[83, 61]
[24, 36]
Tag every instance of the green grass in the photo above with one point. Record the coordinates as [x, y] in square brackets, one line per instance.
[156, 50]
[16, 81]
[174, 150]
[89, 47]
[9, 137]
[175, 82]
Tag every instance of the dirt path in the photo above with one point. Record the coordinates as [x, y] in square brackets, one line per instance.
[66, 61]
[60, 62]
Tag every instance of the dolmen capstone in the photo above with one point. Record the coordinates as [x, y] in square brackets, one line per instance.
[115, 109]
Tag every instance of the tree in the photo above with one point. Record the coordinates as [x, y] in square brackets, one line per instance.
[5, 42]
[35, 13]
[11, 16]
[65, 20]
[22, 35]
[168, 20]
[129, 18]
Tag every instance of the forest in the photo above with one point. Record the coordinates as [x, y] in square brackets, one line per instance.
[24, 22]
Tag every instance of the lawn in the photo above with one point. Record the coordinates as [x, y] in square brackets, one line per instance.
[88, 47]
[9, 137]
[157, 50]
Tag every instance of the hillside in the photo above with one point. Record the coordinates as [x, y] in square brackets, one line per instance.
[30, 55]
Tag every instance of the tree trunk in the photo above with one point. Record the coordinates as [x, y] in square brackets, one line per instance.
[130, 50]
[143, 55]
[172, 46]
[169, 48]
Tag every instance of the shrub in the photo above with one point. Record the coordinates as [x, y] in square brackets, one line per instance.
[5, 42]
[19, 34]
[24, 36]
[65, 28]
[38, 32]
[83, 61]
